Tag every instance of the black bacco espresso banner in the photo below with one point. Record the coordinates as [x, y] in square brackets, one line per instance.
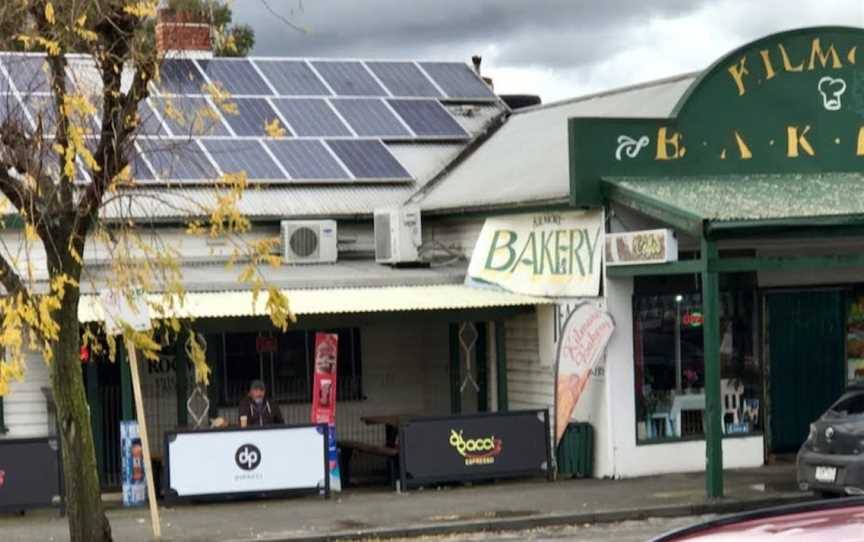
[472, 447]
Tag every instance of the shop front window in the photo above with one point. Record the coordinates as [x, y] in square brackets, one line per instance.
[670, 365]
[284, 361]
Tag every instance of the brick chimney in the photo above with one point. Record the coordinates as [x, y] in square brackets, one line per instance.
[182, 33]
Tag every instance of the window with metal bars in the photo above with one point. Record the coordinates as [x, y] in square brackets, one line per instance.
[284, 362]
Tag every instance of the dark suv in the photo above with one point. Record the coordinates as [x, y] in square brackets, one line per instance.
[831, 460]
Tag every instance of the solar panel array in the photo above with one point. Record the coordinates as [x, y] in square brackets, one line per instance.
[282, 119]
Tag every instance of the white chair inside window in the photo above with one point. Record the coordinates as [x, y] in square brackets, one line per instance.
[731, 392]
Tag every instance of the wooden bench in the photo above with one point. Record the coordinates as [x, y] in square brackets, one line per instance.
[347, 449]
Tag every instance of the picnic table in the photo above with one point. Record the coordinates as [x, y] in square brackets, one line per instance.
[389, 451]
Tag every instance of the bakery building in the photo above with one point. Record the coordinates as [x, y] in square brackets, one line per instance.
[719, 223]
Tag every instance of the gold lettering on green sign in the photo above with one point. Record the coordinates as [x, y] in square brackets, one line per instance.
[766, 60]
[861, 141]
[738, 71]
[787, 65]
[824, 57]
[667, 143]
[797, 139]
[743, 149]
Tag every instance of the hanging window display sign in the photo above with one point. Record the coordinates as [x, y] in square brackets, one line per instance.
[582, 344]
[544, 254]
[324, 397]
[641, 247]
[132, 466]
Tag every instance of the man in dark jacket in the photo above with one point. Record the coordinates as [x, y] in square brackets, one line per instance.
[256, 410]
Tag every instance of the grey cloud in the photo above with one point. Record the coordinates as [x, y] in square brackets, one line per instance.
[553, 33]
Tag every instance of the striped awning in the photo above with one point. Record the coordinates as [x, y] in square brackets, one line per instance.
[336, 301]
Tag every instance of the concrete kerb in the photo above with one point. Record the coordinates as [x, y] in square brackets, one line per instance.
[552, 520]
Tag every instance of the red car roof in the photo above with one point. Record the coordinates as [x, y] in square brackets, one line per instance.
[843, 523]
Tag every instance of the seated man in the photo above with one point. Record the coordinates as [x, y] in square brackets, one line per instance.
[256, 410]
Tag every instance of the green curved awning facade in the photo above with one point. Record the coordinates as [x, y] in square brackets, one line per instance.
[792, 198]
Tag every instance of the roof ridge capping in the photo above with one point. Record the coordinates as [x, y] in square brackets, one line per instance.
[611, 92]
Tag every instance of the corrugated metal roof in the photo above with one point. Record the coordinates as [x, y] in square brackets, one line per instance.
[216, 276]
[337, 301]
[259, 202]
[526, 160]
[754, 197]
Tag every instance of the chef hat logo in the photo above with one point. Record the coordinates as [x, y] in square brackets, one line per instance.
[831, 90]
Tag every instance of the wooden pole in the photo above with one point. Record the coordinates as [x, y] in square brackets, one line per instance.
[145, 442]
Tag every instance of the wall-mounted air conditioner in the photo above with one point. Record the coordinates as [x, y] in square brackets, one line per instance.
[309, 241]
[397, 234]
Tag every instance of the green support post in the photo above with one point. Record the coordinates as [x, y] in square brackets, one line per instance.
[214, 361]
[127, 405]
[455, 370]
[501, 366]
[481, 358]
[711, 348]
[3, 428]
[95, 402]
[181, 375]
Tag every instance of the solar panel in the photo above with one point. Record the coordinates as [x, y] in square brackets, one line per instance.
[292, 78]
[180, 76]
[349, 79]
[234, 156]
[28, 72]
[251, 117]
[457, 80]
[140, 170]
[306, 159]
[41, 109]
[427, 118]
[148, 122]
[370, 117]
[12, 110]
[235, 76]
[311, 117]
[368, 159]
[403, 79]
[177, 159]
[190, 116]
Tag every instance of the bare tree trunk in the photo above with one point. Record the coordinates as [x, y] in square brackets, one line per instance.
[87, 521]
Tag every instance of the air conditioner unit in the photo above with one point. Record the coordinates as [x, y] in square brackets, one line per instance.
[397, 234]
[309, 241]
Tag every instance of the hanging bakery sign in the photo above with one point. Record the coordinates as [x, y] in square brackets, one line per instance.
[544, 254]
[641, 247]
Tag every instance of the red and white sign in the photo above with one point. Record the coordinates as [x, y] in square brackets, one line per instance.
[324, 385]
[581, 346]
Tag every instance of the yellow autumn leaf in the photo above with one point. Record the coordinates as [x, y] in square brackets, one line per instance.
[274, 129]
[49, 13]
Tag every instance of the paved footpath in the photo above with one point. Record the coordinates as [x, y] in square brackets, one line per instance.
[377, 513]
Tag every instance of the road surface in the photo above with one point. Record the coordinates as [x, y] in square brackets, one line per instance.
[627, 531]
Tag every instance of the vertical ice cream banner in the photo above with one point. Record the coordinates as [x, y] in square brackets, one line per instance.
[324, 397]
[132, 466]
[581, 345]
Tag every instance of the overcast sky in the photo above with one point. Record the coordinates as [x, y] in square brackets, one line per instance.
[555, 48]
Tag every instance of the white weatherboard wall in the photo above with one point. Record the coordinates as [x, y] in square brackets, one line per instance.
[530, 343]
[628, 458]
[24, 407]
